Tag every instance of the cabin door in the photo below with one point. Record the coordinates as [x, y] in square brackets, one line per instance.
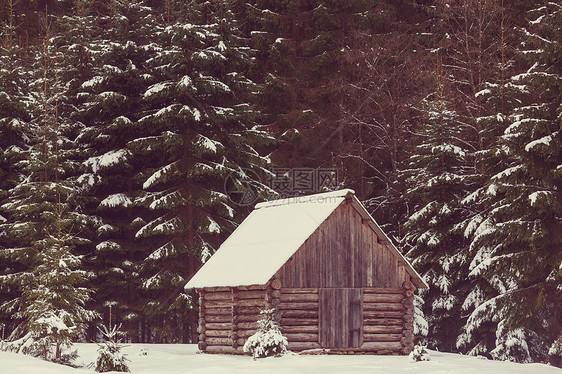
[340, 317]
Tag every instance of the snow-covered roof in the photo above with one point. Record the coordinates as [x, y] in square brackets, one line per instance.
[268, 237]
[265, 240]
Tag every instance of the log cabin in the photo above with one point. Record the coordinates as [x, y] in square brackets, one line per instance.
[336, 282]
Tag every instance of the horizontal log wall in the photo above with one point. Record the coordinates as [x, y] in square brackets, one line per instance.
[383, 320]
[298, 309]
[228, 316]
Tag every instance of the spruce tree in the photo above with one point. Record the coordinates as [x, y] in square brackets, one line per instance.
[50, 307]
[110, 357]
[199, 130]
[493, 99]
[14, 141]
[80, 41]
[523, 300]
[474, 60]
[434, 176]
[109, 102]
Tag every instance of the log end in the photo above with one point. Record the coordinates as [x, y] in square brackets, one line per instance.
[276, 284]
[408, 285]
[202, 346]
[407, 349]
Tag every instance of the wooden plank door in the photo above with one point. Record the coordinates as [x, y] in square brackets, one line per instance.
[340, 317]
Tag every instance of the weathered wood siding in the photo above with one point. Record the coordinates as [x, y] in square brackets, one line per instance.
[375, 320]
[229, 315]
[341, 317]
[298, 309]
[344, 252]
[383, 319]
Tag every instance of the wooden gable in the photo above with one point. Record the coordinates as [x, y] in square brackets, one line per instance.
[344, 252]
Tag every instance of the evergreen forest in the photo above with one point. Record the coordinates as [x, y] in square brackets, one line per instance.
[126, 125]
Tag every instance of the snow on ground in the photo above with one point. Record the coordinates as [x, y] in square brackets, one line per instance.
[181, 358]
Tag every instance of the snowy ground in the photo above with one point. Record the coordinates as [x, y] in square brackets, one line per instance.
[171, 359]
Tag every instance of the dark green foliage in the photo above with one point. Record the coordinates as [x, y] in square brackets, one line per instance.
[524, 220]
[110, 357]
[153, 108]
[48, 308]
[199, 128]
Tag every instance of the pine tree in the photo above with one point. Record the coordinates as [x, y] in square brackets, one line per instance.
[109, 102]
[14, 141]
[77, 40]
[268, 340]
[52, 304]
[494, 98]
[474, 60]
[110, 357]
[198, 131]
[475, 63]
[524, 222]
[436, 185]
[435, 178]
[50, 308]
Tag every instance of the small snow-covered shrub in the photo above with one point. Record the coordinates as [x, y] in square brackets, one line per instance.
[419, 353]
[110, 357]
[143, 351]
[268, 340]
[555, 352]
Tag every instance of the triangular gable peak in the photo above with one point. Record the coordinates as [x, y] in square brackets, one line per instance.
[269, 237]
[348, 250]
[417, 280]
